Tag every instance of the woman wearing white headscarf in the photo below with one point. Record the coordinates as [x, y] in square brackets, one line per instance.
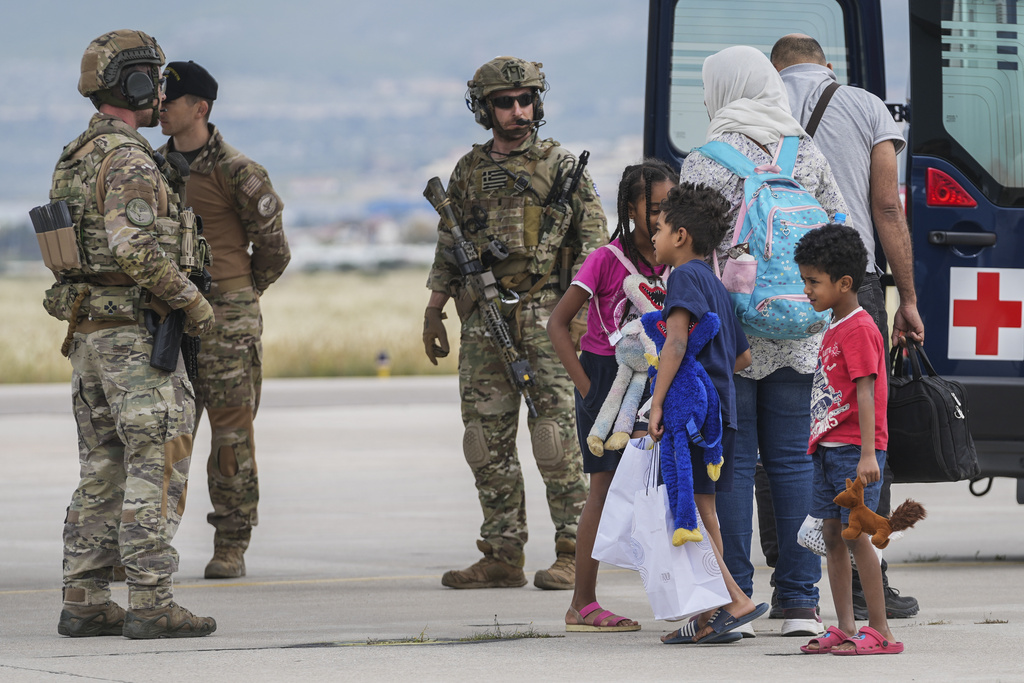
[747, 103]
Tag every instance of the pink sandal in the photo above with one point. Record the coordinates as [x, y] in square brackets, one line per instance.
[833, 636]
[870, 642]
[605, 621]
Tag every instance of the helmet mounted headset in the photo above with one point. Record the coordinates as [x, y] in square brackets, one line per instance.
[505, 73]
[107, 76]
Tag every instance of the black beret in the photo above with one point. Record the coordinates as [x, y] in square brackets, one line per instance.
[188, 78]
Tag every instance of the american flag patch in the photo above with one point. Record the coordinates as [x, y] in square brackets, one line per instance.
[493, 179]
[251, 185]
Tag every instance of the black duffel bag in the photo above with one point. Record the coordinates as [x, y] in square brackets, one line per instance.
[929, 437]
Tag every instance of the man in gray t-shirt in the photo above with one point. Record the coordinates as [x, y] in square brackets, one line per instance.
[858, 136]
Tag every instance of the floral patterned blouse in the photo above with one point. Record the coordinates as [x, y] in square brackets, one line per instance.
[813, 172]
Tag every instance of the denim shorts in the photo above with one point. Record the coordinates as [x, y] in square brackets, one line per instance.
[833, 465]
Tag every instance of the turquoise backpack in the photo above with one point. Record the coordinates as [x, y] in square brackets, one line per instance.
[762, 279]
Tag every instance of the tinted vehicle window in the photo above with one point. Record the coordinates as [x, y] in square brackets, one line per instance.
[703, 27]
[983, 85]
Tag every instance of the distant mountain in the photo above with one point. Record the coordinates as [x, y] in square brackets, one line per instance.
[345, 103]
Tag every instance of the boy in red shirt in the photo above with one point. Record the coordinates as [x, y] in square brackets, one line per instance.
[849, 433]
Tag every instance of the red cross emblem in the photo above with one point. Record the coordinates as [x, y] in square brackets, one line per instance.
[985, 314]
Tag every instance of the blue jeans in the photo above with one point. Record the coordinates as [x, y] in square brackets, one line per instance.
[774, 419]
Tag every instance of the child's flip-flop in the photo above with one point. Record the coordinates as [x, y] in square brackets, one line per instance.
[868, 641]
[833, 636]
[722, 622]
[684, 635]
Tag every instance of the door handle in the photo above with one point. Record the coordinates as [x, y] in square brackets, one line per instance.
[968, 239]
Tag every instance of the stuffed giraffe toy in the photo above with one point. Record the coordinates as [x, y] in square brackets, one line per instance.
[618, 412]
[692, 414]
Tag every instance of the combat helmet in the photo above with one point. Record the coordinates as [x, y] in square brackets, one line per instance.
[504, 73]
[104, 78]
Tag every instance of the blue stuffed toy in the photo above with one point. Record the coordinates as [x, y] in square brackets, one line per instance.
[692, 414]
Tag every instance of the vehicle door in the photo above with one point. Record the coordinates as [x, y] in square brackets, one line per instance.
[965, 194]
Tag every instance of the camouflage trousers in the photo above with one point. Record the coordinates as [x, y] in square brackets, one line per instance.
[228, 389]
[490, 413]
[134, 439]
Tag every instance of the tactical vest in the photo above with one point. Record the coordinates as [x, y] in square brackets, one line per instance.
[99, 287]
[494, 208]
[78, 181]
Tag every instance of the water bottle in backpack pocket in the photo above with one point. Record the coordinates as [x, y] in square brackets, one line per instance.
[762, 279]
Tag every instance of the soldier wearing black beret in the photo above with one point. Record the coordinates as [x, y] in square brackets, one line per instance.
[241, 215]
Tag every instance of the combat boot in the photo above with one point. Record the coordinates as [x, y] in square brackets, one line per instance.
[490, 572]
[172, 621]
[82, 621]
[562, 574]
[228, 562]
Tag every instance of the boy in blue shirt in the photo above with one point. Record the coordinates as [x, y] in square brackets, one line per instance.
[691, 224]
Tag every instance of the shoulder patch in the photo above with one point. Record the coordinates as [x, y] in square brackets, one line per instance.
[252, 184]
[139, 212]
[267, 205]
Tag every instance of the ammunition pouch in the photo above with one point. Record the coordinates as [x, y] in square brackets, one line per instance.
[104, 303]
[505, 221]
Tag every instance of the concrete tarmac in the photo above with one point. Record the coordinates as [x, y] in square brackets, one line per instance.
[366, 500]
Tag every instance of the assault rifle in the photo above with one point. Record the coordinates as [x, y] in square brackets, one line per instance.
[562, 190]
[484, 290]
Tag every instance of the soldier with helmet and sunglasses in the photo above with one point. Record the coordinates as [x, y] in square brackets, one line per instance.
[121, 268]
[507, 192]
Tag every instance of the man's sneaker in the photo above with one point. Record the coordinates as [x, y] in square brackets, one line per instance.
[896, 606]
[82, 621]
[228, 563]
[801, 621]
[746, 630]
[172, 621]
[779, 613]
[489, 572]
[560, 576]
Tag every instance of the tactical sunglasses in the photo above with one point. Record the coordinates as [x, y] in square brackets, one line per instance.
[506, 101]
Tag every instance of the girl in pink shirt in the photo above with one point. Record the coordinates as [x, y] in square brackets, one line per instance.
[599, 281]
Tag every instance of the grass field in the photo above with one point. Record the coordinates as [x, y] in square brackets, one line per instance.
[315, 325]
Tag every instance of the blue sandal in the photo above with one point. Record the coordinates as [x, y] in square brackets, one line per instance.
[722, 623]
[686, 634]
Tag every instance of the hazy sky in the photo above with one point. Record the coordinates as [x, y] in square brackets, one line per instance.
[311, 83]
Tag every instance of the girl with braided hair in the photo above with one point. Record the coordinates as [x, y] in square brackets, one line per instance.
[642, 189]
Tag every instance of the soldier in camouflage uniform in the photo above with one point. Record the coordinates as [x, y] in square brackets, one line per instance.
[239, 208]
[501, 190]
[134, 421]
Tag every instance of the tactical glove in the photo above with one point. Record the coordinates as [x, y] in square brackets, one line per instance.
[199, 316]
[435, 338]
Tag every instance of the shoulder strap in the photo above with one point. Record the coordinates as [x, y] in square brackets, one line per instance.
[785, 154]
[622, 258]
[819, 108]
[728, 156]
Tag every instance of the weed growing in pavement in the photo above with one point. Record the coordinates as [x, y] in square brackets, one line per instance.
[943, 622]
[990, 620]
[496, 633]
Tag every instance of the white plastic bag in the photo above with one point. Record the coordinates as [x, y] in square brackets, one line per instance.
[680, 581]
[613, 541]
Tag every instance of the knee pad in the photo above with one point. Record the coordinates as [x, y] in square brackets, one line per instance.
[548, 450]
[474, 446]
